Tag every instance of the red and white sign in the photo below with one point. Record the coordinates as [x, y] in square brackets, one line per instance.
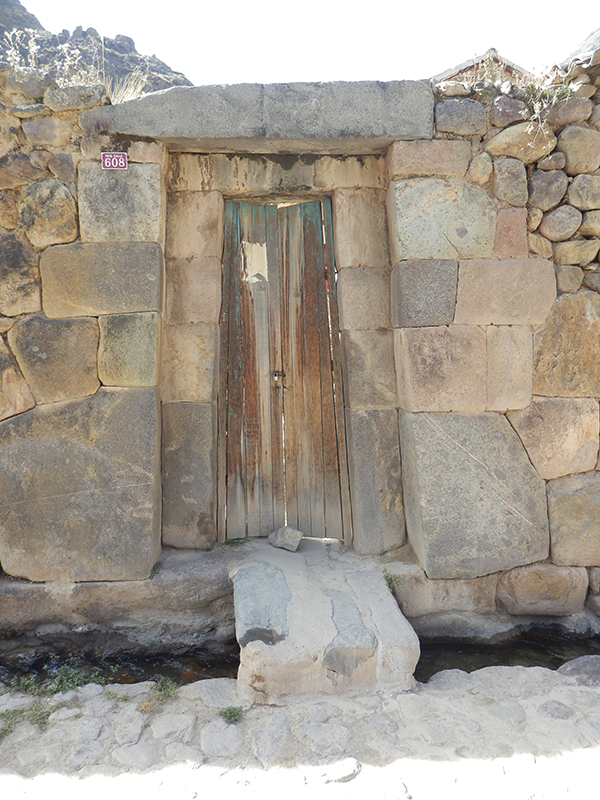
[114, 160]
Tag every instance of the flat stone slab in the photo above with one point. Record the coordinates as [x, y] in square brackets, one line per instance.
[473, 503]
[338, 117]
[318, 620]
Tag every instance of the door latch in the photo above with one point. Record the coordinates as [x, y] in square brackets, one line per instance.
[277, 374]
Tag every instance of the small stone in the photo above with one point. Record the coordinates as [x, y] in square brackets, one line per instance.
[30, 111]
[40, 158]
[74, 98]
[585, 670]
[145, 152]
[463, 117]
[219, 739]
[29, 82]
[510, 181]
[574, 512]
[480, 169]
[547, 189]
[51, 131]
[576, 251]
[591, 280]
[560, 434]
[584, 192]
[543, 589]
[526, 141]
[539, 245]
[590, 225]
[595, 118]
[57, 357]
[268, 741]
[174, 726]
[555, 160]
[6, 324]
[569, 278]
[534, 217]
[9, 213]
[554, 709]
[19, 278]
[511, 234]
[561, 223]
[139, 756]
[569, 111]
[62, 167]
[15, 394]
[48, 213]
[594, 576]
[287, 538]
[506, 110]
[17, 170]
[452, 89]
[581, 147]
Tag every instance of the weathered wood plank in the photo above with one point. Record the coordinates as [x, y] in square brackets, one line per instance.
[277, 379]
[312, 243]
[236, 501]
[331, 477]
[337, 373]
[229, 256]
[297, 337]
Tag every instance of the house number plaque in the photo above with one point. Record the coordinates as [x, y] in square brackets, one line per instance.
[114, 160]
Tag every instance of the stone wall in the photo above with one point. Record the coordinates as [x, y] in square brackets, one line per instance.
[466, 245]
[81, 299]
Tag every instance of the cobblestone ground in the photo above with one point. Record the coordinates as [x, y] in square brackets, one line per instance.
[500, 732]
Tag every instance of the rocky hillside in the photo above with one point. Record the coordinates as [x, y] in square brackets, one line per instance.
[80, 53]
[587, 46]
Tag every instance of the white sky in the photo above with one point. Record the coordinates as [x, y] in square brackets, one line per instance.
[323, 40]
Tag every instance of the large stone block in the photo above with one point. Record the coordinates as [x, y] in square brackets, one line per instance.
[57, 357]
[440, 218]
[189, 475]
[361, 236]
[19, 278]
[441, 369]
[509, 366]
[375, 480]
[129, 349]
[189, 363]
[418, 595]
[524, 141]
[193, 290]
[195, 225]
[543, 589]
[47, 131]
[336, 117]
[368, 364]
[515, 291]
[574, 511]
[16, 170]
[363, 296]
[48, 213]
[83, 479]
[423, 293]
[438, 158]
[560, 434]
[15, 394]
[566, 350]
[117, 206]
[110, 278]
[473, 502]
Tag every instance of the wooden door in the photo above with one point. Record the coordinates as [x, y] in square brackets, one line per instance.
[282, 456]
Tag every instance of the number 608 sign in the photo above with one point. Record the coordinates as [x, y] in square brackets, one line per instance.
[114, 160]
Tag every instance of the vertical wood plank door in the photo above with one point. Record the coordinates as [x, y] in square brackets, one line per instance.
[282, 453]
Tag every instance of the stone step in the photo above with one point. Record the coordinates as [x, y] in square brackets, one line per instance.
[320, 620]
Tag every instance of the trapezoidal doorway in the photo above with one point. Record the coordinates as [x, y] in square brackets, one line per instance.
[282, 451]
